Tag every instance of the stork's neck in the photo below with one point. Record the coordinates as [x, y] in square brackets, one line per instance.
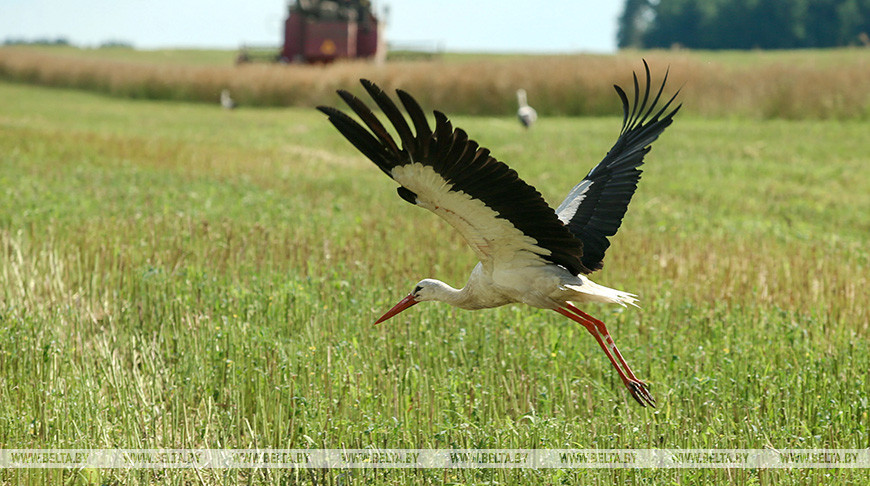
[521, 98]
[449, 295]
[478, 293]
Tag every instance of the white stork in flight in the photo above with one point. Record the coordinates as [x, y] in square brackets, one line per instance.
[525, 113]
[528, 252]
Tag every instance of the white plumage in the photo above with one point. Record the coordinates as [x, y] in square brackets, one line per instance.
[525, 113]
[510, 268]
[227, 100]
[528, 252]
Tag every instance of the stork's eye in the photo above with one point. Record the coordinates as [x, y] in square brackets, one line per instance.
[417, 289]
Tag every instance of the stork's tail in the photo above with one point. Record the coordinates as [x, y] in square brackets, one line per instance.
[592, 292]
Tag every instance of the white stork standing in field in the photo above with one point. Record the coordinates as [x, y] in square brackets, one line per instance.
[227, 100]
[528, 252]
[525, 113]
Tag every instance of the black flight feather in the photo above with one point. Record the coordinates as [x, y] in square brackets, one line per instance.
[576, 238]
[607, 189]
[461, 163]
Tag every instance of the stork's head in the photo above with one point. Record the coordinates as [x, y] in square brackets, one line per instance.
[426, 289]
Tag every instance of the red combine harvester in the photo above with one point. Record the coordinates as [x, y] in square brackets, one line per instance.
[326, 30]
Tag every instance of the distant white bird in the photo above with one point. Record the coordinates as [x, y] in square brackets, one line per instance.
[525, 113]
[528, 252]
[227, 100]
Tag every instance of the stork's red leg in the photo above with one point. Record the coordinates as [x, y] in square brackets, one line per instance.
[590, 326]
[633, 383]
[637, 388]
[607, 338]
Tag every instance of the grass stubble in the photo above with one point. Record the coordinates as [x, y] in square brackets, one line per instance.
[176, 276]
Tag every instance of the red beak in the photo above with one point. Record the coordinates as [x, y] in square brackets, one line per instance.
[402, 305]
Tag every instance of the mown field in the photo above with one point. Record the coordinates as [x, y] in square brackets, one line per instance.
[173, 275]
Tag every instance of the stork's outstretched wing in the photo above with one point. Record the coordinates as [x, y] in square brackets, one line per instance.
[501, 217]
[594, 208]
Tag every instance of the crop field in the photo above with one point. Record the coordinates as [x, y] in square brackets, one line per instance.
[824, 84]
[174, 275]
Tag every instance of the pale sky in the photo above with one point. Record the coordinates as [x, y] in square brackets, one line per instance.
[455, 25]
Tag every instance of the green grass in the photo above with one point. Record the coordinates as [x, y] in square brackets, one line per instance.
[173, 275]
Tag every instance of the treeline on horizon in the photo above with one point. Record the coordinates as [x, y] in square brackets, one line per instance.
[61, 41]
[744, 24]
